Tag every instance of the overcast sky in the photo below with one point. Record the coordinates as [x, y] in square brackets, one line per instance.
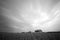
[29, 15]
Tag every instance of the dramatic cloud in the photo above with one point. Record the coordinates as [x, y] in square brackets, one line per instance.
[29, 15]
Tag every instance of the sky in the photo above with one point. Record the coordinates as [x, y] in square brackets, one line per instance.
[29, 15]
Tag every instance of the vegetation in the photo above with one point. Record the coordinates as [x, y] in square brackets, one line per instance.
[38, 31]
[30, 36]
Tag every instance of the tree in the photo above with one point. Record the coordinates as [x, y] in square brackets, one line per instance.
[38, 30]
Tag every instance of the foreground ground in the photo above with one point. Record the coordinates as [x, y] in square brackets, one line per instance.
[30, 36]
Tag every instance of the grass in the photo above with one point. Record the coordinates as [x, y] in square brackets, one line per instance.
[30, 36]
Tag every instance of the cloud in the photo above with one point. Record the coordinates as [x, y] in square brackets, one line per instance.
[17, 16]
